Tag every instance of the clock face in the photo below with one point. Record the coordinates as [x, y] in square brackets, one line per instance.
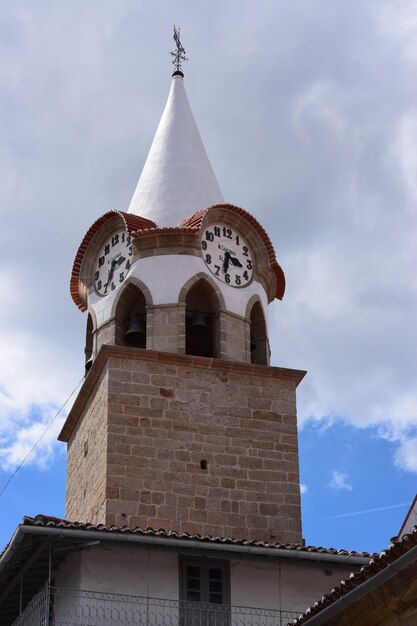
[227, 255]
[113, 263]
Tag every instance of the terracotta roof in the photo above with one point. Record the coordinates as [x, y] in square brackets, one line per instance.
[377, 563]
[54, 522]
[194, 220]
[133, 223]
[166, 230]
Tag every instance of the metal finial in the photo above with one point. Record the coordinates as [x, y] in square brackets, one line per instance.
[178, 55]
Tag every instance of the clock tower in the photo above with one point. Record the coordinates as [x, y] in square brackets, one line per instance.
[181, 422]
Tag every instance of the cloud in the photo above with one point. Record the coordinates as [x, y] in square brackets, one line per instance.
[348, 314]
[303, 488]
[398, 22]
[319, 146]
[35, 378]
[405, 150]
[33, 444]
[318, 107]
[340, 481]
[406, 454]
[34, 385]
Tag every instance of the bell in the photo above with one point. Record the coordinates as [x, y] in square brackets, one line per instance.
[198, 325]
[252, 343]
[136, 332]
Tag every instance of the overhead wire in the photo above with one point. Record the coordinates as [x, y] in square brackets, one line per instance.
[9, 480]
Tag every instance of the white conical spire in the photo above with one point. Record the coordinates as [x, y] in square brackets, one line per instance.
[177, 178]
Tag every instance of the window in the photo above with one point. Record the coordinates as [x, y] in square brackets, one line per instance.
[205, 586]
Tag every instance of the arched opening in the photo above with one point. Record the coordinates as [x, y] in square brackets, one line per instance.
[202, 321]
[88, 350]
[258, 338]
[131, 318]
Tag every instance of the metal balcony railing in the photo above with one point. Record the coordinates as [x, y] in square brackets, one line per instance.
[57, 606]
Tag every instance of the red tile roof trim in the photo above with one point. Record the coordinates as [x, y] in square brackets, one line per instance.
[133, 223]
[46, 521]
[196, 221]
[167, 230]
[377, 563]
[139, 227]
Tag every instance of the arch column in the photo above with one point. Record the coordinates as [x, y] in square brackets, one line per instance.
[165, 328]
[233, 337]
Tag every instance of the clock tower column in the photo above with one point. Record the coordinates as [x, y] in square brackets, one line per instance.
[181, 422]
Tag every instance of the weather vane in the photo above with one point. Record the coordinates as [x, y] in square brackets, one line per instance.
[178, 55]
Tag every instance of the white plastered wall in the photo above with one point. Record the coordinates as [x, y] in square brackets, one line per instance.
[165, 276]
[285, 584]
[122, 570]
[278, 584]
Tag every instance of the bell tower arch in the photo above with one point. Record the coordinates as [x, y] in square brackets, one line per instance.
[130, 317]
[258, 336]
[203, 305]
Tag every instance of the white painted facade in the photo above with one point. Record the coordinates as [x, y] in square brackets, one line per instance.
[177, 178]
[286, 584]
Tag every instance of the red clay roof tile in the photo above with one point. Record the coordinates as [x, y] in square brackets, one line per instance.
[55, 522]
[377, 563]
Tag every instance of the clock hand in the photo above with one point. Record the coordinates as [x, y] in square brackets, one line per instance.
[235, 262]
[110, 276]
[226, 261]
[120, 260]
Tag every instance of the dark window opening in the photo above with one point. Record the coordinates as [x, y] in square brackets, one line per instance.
[207, 583]
[258, 339]
[89, 343]
[131, 318]
[202, 321]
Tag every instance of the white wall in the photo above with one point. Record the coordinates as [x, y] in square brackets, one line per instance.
[138, 571]
[166, 275]
[68, 574]
[285, 584]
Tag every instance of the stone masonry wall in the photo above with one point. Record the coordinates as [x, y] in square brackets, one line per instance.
[166, 328]
[165, 331]
[233, 345]
[87, 459]
[194, 445]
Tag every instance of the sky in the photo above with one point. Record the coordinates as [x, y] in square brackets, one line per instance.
[308, 111]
